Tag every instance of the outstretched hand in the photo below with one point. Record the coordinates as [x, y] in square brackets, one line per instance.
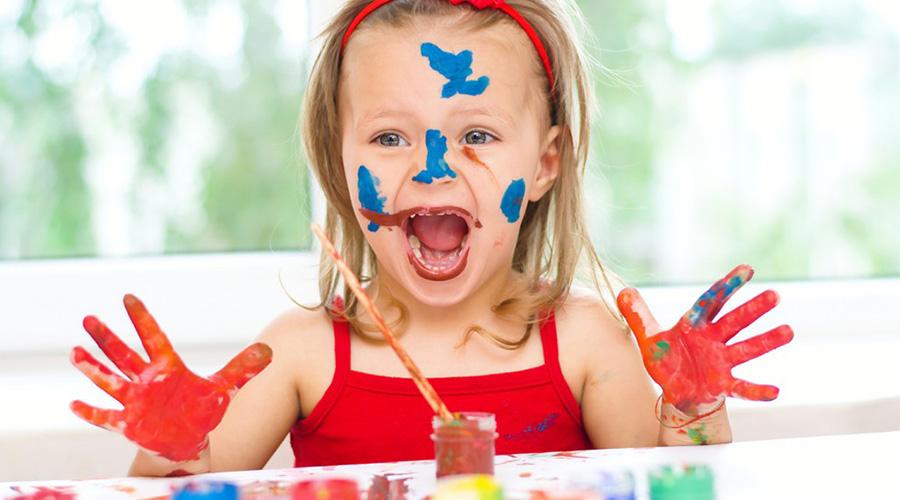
[168, 410]
[691, 362]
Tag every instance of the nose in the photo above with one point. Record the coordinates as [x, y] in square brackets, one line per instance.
[437, 170]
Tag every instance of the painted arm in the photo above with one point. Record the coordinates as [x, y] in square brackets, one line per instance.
[692, 364]
[168, 410]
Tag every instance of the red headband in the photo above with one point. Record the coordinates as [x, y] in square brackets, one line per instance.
[500, 5]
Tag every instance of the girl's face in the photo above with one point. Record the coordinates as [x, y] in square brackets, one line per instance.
[445, 139]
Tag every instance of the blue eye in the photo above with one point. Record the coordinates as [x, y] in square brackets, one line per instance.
[391, 140]
[478, 137]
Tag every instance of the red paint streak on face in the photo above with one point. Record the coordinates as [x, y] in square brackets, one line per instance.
[167, 408]
[691, 361]
[473, 156]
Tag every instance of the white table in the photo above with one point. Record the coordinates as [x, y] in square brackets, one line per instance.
[847, 466]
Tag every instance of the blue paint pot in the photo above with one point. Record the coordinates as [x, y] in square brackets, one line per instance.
[207, 490]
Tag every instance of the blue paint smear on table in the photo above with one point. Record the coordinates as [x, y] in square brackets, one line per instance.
[435, 165]
[511, 204]
[456, 68]
[369, 197]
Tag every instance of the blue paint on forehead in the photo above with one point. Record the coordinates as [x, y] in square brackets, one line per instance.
[511, 204]
[369, 197]
[436, 166]
[456, 68]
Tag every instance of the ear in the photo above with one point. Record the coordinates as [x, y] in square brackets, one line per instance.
[548, 168]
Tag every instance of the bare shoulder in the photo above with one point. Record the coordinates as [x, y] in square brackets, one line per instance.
[615, 393]
[302, 345]
[591, 339]
[586, 323]
[300, 333]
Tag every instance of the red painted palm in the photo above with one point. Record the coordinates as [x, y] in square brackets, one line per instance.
[691, 361]
[168, 410]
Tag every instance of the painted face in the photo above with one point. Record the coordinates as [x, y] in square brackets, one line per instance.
[443, 146]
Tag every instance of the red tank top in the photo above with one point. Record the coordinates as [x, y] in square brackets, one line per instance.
[365, 418]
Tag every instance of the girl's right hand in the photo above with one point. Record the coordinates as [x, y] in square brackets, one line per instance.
[168, 410]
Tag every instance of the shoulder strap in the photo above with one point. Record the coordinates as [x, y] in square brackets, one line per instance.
[551, 361]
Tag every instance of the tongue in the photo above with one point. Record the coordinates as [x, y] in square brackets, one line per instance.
[440, 232]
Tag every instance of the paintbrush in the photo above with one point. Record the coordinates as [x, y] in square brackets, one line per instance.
[353, 282]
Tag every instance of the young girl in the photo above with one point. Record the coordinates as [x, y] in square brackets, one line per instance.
[449, 137]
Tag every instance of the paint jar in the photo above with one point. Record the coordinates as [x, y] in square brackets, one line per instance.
[464, 445]
[617, 485]
[206, 490]
[475, 487]
[682, 482]
[326, 489]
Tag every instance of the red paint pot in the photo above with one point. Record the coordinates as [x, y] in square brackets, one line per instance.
[325, 489]
[464, 445]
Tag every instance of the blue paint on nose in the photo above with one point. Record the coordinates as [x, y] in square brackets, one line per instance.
[435, 165]
[369, 197]
[456, 68]
[511, 204]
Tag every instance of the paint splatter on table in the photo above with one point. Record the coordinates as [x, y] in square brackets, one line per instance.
[850, 466]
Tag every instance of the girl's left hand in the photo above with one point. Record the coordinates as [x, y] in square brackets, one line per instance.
[690, 361]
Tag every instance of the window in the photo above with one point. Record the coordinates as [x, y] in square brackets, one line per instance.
[151, 128]
[730, 131]
[758, 131]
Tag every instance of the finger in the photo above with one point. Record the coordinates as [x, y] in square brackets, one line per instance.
[117, 351]
[637, 315]
[155, 341]
[754, 392]
[745, 314]
[113, 384]
[108, 419]
[244, 366]
[710, 303]
[741, 352]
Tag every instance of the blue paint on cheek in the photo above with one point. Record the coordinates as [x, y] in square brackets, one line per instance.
[369, 197]
[456, 68]
[435, 165]
[511, 204]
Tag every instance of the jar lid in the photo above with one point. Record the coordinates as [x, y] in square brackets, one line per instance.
[482, 421]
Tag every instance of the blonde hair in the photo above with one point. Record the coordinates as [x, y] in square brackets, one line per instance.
[553, 236]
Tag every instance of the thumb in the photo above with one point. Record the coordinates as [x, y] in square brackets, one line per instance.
[638, 315]
[244, 366]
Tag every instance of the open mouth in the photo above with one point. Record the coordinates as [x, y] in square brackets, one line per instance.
[437, 241]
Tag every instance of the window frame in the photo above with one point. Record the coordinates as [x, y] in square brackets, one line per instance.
[210, 300]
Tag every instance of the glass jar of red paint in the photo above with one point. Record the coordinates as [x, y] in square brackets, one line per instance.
[464, 445]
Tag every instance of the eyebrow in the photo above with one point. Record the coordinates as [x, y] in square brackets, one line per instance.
[473, 111]
[384, 113]
[488, 112]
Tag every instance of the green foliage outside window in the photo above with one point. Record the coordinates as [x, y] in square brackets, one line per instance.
[210, 152]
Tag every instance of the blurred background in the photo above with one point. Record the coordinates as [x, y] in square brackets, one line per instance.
[152, 148]
[729, 131]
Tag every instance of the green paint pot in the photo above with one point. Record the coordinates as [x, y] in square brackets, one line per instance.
[684, 482]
